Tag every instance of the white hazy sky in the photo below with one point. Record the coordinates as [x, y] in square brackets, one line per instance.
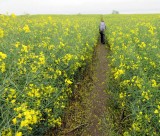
[78, 6]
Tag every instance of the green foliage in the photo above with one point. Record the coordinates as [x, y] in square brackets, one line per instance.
[134, 83]
[39, 58]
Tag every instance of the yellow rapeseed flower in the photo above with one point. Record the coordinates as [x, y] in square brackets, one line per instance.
[158, 107]
[3, 67]
[142, 45]
[18, 134]
[24, 123]
[145, 94]
[122, 95]
[14, 121]
[41, 60]
[7, 132]
[156, 111]
[118, 73]
[13, 15]
[24, 48]
[1, 33]
[2, 56]
[126, 134]
[26, 29]
[154, 83]
[17, 44]
[68, 57]
[135, 126]
[67, 81]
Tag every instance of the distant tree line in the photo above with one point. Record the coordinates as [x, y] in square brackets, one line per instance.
[115, 12]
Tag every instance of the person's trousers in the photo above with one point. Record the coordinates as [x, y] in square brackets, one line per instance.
[102, 37]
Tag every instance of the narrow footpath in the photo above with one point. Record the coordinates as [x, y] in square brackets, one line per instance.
[98, 96]
[87, 112]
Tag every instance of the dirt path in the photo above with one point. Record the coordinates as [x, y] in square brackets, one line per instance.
[98, 97]
[87, 112]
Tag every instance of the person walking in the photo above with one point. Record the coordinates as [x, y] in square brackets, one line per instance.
[102, 28]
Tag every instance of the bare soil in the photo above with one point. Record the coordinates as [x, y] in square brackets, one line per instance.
[87, 111]
[98, 96]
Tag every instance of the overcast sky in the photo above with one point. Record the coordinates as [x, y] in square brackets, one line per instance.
[78, 6]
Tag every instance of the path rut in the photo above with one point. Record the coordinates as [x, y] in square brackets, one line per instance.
[98, 96]
[86, 114]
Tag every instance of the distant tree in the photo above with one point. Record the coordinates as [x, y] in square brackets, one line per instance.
[115, 12]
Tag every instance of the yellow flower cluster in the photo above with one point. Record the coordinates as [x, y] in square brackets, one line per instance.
[43, 54]
[2, 56]
[2, 64]
[26, 117]
[1, 33]
[13, 15]
[118, 73]
[135, 70]
[26, 29]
